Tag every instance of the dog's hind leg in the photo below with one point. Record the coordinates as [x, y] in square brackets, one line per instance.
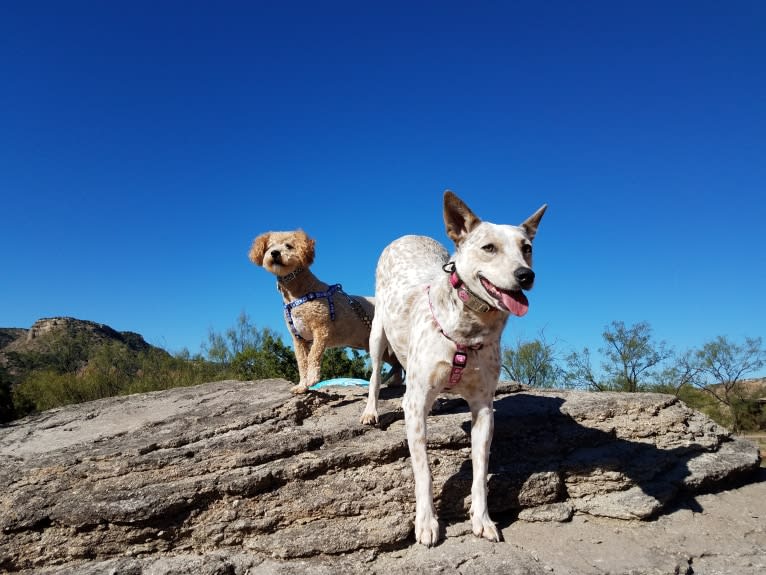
[395, 376]
[417, 403]
[378, 346]
[482, 427]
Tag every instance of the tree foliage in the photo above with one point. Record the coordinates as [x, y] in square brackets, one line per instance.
[247, 352]
[271, 359]
[580, 373]
[6, 397]
[631, 359]
[678, 375]
[719, 368]
[337, 362]
[111, 372]
[76, 369]
[533, 363]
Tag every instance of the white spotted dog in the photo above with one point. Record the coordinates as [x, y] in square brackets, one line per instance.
[445, 330]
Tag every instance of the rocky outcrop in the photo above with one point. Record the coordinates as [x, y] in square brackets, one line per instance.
[47, 331]
[62, 344]
[227, 476]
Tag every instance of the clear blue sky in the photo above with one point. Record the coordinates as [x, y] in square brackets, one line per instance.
[143, 145]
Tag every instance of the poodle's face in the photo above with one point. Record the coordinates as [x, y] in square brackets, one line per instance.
[282, 252]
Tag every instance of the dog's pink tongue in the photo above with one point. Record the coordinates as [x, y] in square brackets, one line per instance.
[516, 302]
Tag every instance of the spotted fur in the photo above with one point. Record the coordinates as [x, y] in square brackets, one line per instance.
[404, 321]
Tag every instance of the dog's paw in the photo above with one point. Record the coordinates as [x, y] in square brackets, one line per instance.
[299, 389]
[427, 530]
[485, 527]
[369, 418]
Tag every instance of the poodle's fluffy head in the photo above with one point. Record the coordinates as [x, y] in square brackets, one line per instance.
[282, 252]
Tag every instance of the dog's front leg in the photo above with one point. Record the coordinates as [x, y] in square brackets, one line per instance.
[314, 359]
[483, 422]
[301, 355]
[417, 403]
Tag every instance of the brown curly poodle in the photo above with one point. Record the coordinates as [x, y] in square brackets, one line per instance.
[318, 315]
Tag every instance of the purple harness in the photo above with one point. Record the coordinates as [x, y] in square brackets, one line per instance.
[311, 296]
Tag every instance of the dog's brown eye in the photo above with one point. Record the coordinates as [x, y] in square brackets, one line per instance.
[489, 248]
[289, 246]
[526, 249]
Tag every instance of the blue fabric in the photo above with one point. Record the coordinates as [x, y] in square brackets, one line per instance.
[340, 382]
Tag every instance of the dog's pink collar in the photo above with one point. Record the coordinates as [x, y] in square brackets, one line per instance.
[469, 299]
[460, 357]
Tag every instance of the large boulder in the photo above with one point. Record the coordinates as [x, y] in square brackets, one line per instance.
[224, 476]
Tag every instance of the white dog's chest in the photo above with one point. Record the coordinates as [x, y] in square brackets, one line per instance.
[432, 357]
[302, 328]
[479, 372]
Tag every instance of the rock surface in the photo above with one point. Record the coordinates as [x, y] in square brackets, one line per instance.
[242, 477]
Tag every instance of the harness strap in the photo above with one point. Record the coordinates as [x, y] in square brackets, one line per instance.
[311, 296]
[359, 310]
[459, 361]
[460, 357]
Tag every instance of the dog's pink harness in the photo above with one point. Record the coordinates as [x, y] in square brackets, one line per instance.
[460, 357]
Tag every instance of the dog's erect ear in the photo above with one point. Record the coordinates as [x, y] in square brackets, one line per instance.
[531, 223]
[458, 218]
[258, 249]
[305, 248]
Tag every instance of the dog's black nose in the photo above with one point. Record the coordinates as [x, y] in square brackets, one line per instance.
[276, 256]
[525, 277]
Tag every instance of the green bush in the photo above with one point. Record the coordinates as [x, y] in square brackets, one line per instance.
[269, 359]
[337, 362]
[46, 389]
[158, 371]
[7, 411]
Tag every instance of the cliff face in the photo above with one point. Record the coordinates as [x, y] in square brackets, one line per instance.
[227, 476]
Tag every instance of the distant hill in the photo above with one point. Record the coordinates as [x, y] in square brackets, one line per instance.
[754, 386]
[64, 344]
